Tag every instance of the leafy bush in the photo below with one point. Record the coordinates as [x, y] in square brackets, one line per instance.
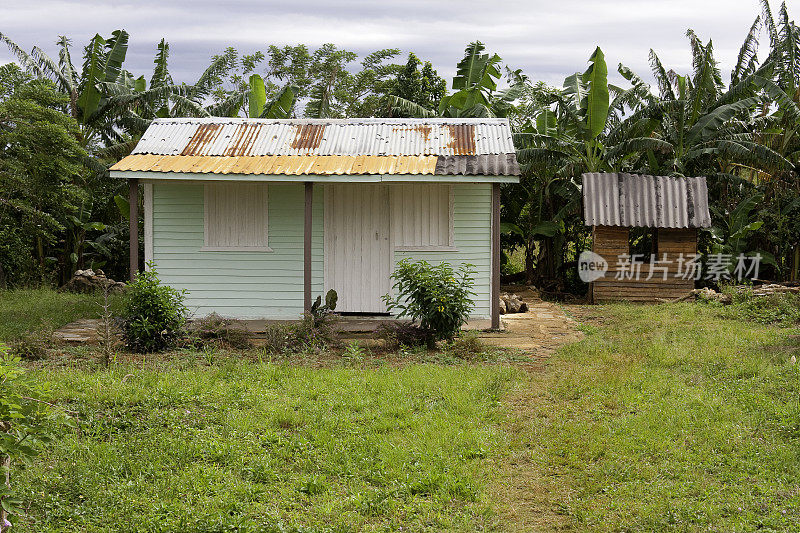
[24, 427]
[434, 295]
[154, 315]
[214, 329]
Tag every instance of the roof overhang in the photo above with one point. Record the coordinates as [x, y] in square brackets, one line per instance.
[314, 178]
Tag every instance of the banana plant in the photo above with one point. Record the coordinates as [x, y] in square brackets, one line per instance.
[733, 230]
[102, 63]
[280, 106]
[581, 132]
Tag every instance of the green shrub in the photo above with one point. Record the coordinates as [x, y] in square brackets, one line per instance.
[154, 316]
[434, 295]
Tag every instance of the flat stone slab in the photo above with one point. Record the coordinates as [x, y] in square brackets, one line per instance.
[541, 330]
[83, 331]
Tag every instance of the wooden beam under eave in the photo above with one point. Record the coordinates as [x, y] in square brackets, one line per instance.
[495, 297]
[133, 199]
[307, 230]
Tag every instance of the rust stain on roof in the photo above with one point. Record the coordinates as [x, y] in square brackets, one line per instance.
[205, 135]
[242, 139]
[462, 139]
[308, 136]
[425, 130]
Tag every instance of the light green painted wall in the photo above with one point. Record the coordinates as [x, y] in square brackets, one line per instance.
[236, 284]
[472, 218]
[270, 284]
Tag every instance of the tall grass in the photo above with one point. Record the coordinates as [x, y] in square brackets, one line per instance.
[28, 310]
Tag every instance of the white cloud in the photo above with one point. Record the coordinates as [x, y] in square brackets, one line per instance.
[548, 40]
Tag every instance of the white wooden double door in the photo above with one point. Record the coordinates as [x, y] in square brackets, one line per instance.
[358, 251]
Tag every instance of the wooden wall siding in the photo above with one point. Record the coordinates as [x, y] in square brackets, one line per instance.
[236, 216]
[472, 214]
[422, 215]
[241, 284]
[357, 245]
[252, 284]
[610, 242]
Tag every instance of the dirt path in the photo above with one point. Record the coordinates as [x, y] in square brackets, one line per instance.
[527, 498]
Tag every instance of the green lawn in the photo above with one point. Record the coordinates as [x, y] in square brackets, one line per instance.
[248, 444]
[665, 418]
[27, 311]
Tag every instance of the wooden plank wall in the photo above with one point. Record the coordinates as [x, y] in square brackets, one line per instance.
[612, 241]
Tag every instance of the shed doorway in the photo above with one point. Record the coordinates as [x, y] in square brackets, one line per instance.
[357, 248]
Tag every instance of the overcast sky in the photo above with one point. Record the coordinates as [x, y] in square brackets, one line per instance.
[547, 39]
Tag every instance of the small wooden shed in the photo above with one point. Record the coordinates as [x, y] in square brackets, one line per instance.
[645, 228]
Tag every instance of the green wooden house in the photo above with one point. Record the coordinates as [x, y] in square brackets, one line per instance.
[256, 217]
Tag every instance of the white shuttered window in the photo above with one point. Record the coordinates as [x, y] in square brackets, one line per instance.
[236, 216]
[422, 216]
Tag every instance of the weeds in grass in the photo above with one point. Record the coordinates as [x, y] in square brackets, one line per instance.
[466, 345]
[354, 352]
[237, 445]
[782, 309]
[312, 334]
[399, 334]
[213, 329]
[23, 311]
[277, 338]
[105, 330]
[32, 346]
[643, 425]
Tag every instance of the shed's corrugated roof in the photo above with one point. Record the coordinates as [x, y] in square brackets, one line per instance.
[619, 199]
[352, 137]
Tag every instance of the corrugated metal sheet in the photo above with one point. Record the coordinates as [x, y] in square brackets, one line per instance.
[284, 165]
[473, 165]
[619, 199]
[352, 137]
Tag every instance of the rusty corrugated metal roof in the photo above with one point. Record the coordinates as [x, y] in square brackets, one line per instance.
[351, 137]
[474, 165]
[292, 165]
[619, 199]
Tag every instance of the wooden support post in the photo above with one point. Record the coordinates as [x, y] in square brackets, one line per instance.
[495, 296]
[133, 198]
[307, 230]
